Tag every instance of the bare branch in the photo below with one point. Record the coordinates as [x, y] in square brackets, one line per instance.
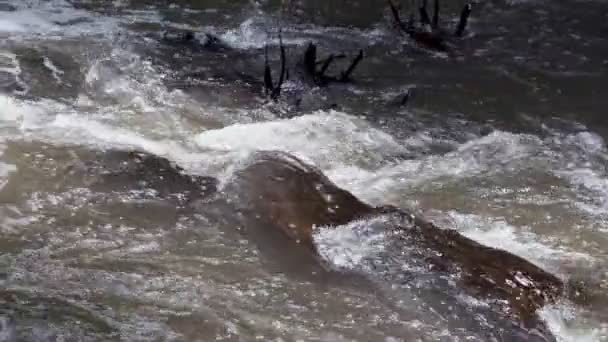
[323, 61]
[464, 17]
[436, 15]
[310, 59]
[326, 65]
[406, 98]
[424, 15]
[268, 85]
[283, 62]
[346, 75]
[277, 90]
[396, 16]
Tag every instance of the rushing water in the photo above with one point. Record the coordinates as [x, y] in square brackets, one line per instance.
[504, 141]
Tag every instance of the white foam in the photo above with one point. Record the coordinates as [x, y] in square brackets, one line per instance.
[11, 66]
[53, 68]
[564, 321]
[47, 18]
[5, 171]
[589, 142]
[494, 153]
[14, 113]
[581, 160]
[12, 60]
[595, 200]
[325, 138]
[499, 234]
[252, 33]
[248, 35]
[24, 21]
[348, 245]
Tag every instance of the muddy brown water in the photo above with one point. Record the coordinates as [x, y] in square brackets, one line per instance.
[504, 141]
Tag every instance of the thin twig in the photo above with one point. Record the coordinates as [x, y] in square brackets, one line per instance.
[351, 68]
[326, 65]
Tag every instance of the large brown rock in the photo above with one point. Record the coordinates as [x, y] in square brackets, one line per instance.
[296, 198]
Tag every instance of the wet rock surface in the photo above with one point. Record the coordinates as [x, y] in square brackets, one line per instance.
[296, 198]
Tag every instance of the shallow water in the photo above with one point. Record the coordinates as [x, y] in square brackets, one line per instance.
[504, 141]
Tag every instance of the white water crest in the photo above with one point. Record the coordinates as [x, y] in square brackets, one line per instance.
[479, 187]
[49, 18]
[327, 139]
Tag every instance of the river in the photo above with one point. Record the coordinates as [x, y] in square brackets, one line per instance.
[504, 140]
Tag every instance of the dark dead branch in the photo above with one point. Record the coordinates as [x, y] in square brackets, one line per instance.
[276, 90]
[335, 57]
[326, 65]
[435, 39]
[405, 99]
[424, 15]
[270, 89]
[310, 59]
[346, 75]
[283, 66]
[436, 15]
[464, 18]
[268, 84]
[397, 17]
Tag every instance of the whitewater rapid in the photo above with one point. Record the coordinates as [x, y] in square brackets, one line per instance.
[541, 196]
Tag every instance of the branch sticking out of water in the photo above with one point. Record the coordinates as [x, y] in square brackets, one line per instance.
[346, 75]
[424, 15]
[326, 65]
[436, 15]
[397, 17]
[268, 84]
[464, 18]
[339, 56]
[310, 59]
[320, 78]
[277, 90]
[406, 98]
[269, 88]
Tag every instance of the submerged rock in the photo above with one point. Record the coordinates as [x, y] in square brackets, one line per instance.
[135, 187]
[285, 202]
[41, 317]
[138, 171]
[191, 40]
[295, 198]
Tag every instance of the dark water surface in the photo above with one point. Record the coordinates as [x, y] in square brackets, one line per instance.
[502, 139]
